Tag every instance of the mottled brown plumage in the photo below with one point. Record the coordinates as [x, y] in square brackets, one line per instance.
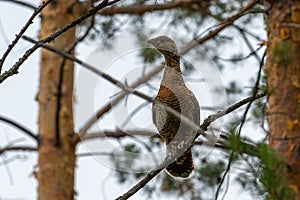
[174, 93]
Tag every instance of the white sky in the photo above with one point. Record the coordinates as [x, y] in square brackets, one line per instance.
[17, 101]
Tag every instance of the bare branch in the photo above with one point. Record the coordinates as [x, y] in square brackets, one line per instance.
[118, 134]
[22, 3]
[221, 142]
[17, 148]
[131, 115]
[241, 58]
[222, 25]
[224, 175]
[137, 9]
[228, 110]
[81, 155]
[116, 100]
[141, 183]
[19, 35]
[61, 74]
[14, 69]
[20, 127]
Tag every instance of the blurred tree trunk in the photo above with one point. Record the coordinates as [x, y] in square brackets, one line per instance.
[283, 78]
[56, 148]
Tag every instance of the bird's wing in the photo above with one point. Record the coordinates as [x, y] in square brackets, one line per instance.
[159, 115]
[196, 109]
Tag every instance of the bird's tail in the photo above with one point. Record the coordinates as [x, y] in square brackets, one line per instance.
[182, 166]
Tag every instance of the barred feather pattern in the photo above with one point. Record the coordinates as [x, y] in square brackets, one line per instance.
[174, 93]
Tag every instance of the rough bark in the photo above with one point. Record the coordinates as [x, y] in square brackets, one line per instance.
[56, 147]
[283, 79]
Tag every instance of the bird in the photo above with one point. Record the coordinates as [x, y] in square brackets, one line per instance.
[174, 93]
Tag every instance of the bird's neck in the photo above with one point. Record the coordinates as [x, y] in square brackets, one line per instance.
[172, 73]
[173, 62]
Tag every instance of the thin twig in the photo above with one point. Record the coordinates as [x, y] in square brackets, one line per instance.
[131, 115]
[136, 9]
[26, 4]
[8, 170]
[81, 155]
[241, 58]
[20, 127]
[249, 149]
[141, 183]
[17, 148]
[19, 35]
[256, 86]
[60, 80]
[255, 91]
[223, 25]
[228, 110]
[14, 69]
[107, 107]
[231, 156]
[118, 134]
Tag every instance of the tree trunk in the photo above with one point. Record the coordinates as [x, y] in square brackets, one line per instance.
[56, 148]
[283, 79]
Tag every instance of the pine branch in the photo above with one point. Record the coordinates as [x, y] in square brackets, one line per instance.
[230, 109]
[15, 68]
[19, 35]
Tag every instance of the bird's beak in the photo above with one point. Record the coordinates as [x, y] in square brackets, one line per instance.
[154, 43]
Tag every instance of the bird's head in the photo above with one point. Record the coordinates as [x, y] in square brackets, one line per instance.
[165, 45]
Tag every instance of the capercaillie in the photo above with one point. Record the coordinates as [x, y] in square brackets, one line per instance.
[174, 93]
